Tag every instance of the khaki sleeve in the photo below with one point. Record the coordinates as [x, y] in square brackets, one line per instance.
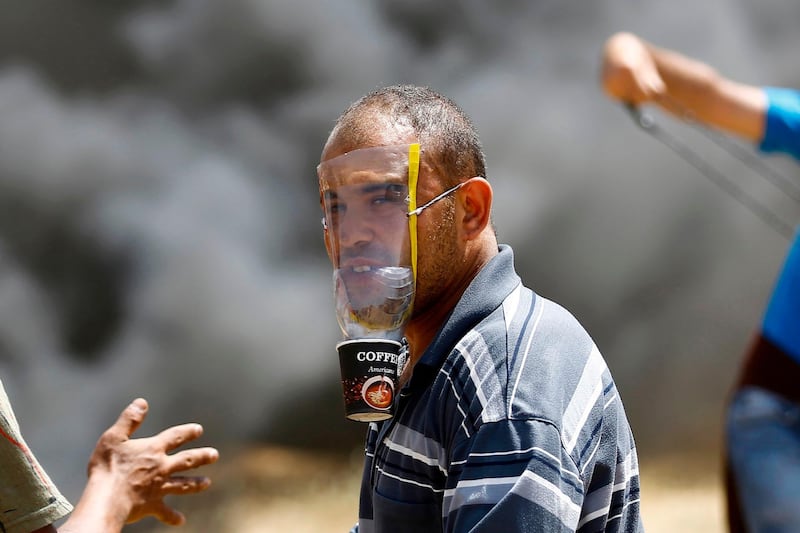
[28, 498]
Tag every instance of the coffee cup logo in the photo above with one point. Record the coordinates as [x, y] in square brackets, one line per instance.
[378, 392]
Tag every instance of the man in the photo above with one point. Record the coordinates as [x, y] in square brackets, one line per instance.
[763, 419]
[508, 418]
[128, 478]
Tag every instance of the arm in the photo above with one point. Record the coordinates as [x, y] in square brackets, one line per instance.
[128, 478]
[634, 71]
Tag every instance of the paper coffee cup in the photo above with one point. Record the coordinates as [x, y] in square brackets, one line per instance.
[369, 369]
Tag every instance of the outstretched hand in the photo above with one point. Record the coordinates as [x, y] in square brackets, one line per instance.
[141, 469]
[129, 477]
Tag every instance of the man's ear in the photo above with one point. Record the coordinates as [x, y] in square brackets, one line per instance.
[475, 200]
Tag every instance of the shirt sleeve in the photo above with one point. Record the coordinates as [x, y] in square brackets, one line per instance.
[782, 126]
[780, 319]
[28, 498]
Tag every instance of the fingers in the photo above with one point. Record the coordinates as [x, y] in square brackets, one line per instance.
[188, 459]
[176, 436]
[651, 85]
[129, 420]
[629, 71]
[634, 87]
[185, 485]
[178, 485]
[168, 515]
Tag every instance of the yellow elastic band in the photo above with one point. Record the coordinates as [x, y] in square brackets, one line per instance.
[413, 174]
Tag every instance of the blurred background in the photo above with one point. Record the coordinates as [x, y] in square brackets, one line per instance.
[160, 237]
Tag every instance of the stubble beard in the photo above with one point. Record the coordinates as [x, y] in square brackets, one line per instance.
[437, 262]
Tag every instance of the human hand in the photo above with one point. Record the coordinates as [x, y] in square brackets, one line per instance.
[629, 72]
[137, 473]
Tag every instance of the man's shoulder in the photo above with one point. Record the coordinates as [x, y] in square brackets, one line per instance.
[528, 322]
[525, 325]
[525, 359]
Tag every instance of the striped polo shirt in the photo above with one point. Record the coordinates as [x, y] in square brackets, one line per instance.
[510, 422]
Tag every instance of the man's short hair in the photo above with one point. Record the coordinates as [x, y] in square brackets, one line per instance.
[446, 134]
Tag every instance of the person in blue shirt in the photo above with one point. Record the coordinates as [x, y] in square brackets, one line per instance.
[763, 416]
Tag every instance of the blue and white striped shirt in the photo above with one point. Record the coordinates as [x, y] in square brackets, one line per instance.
[510, 422]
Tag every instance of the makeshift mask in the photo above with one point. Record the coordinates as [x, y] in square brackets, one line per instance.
[370, 220]
[367, 196]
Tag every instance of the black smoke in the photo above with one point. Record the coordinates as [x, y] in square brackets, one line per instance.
[159, 227]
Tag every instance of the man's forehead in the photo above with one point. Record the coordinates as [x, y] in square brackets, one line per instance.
[362, 180]
[332, 150]
[369, 164]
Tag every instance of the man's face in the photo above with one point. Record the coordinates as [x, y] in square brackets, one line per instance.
[364, 194]
[368, 229]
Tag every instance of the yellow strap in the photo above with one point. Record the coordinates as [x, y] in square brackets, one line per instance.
[413, 174]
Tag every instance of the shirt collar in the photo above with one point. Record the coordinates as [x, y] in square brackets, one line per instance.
[484, 294]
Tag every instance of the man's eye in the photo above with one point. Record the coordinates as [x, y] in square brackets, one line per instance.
[393, 194]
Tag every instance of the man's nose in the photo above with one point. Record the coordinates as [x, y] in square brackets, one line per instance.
[354, 228]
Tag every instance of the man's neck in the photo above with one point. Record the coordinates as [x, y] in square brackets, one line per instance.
[422, 330]
[423, 327]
